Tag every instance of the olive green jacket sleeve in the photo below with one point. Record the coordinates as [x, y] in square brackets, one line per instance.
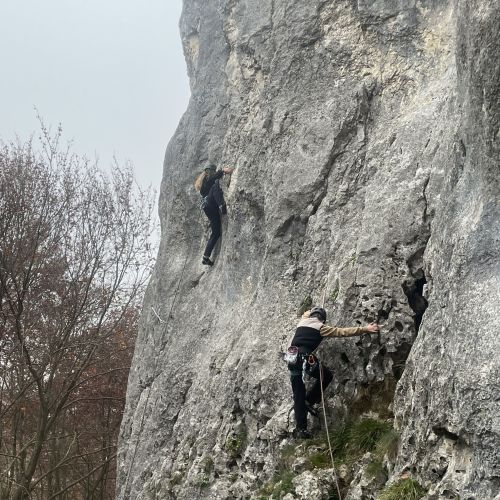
[335, 331]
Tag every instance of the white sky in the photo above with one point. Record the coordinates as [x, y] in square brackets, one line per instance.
[111, 71]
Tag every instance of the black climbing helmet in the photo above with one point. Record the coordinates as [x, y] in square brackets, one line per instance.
[211, 168]
[319, 312]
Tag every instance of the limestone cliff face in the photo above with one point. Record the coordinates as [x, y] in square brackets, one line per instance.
[365, 136]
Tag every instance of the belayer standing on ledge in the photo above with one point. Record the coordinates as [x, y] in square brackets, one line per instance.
[212, 203]
[311, 330]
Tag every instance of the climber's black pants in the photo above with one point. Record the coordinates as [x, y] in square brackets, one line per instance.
[313, 396]
[215, 225]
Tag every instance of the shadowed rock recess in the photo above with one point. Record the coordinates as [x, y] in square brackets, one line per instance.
[365, 136]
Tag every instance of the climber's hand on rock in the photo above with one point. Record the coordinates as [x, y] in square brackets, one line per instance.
[228, 170]
[373, 328]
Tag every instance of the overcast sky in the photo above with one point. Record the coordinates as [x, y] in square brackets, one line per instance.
[111, 71]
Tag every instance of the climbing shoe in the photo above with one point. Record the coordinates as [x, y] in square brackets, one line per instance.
[301, 434]
[206, 261]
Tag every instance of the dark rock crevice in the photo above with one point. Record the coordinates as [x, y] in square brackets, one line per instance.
[414, 289]
[443, 431]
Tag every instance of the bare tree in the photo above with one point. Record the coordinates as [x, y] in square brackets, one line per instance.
[74, 260]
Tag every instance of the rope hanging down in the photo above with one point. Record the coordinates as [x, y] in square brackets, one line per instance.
[327, 432]
[335, 477]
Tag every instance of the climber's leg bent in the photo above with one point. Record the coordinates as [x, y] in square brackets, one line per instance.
[215, 225]
[313, 396]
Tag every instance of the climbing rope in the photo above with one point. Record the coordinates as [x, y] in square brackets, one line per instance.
[335, 477]
[327, 432]
[165, 322]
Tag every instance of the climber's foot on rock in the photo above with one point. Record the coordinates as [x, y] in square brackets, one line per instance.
[206, 261]
[301, 434]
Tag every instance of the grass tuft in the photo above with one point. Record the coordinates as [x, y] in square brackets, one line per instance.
[367, 433]
[203, 481]
[334, 295]
[279, 486]
[339, 438]
[405, 489]
[387, 445]
[236, 443]
[375, 469]
[288, 452]
[350, 441]
[319, 460]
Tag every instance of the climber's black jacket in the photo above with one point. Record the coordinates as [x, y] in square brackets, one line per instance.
[212, 192]
[311, 331]
[307, 339]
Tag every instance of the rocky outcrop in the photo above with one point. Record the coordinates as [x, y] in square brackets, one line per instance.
[448, 403]
[365, 137]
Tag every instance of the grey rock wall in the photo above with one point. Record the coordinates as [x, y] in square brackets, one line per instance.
[448, 399]
[365, 137]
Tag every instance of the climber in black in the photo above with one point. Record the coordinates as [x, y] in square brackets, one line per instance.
[310, 331]
[212, 203]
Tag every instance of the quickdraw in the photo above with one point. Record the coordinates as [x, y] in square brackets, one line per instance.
[308, 365]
